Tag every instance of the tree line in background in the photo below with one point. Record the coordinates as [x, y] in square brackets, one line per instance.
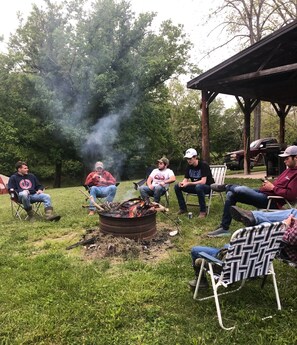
[80, 85]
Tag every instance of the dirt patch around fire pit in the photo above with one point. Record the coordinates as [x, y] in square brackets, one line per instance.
[99, 246]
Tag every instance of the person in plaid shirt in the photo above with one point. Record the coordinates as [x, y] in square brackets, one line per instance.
[250, 218]
[101, 184]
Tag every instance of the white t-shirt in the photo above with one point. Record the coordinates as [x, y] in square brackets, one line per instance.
[159, 176]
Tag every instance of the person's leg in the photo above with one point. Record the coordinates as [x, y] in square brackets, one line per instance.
[208, 250]
[145, 192]
[24, 198]
[180, 198]
[244, 195]
[45, 198]
[271, 217]
[110, 192]
[94, 192]
[158, 192]
[201, 190]
[195, 255]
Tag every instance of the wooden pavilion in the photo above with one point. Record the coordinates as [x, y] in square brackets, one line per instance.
[265, 71]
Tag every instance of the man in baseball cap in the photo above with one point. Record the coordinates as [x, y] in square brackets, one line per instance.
[285, 185]
[289, 151]
[190, 153]
[158, 181]
[197, 180]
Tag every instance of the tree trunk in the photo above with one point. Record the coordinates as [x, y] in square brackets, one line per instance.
[58, 174]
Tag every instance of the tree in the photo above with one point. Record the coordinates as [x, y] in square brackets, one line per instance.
[88, 67]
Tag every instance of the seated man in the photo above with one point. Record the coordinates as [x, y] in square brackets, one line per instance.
[29, 190]
[198, 179]
[251, 218]
[158, 181]
[285, 186]
[102, 184]
[289, 251]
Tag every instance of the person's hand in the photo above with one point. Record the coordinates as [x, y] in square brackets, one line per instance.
[289, 220]
[39, 191]
[267, 186]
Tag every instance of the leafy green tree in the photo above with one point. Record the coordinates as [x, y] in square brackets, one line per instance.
[87, 67]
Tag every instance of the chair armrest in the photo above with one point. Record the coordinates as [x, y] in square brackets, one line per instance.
[275, 197]
[211, 259]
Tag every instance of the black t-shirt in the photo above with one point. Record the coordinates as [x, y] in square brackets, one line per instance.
[201, 170]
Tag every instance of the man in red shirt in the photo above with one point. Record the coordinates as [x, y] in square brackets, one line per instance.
[285, 185]
[102, 184]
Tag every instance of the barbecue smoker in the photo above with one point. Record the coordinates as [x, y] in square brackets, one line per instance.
[133, 219]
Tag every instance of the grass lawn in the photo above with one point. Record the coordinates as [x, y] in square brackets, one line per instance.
[50, 295]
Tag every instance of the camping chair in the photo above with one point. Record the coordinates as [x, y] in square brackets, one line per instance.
[249, 255]
[99, 199]
[218, 173]
[17, 208]
[288, 204]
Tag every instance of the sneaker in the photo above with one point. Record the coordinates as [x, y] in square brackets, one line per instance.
[218, 187]
[202, 215]
[136, 186]
[243, 216]
[91, 213]
[220, 232]
[182, 211]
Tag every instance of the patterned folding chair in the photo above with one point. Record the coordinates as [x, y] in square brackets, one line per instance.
[218, 173]
[249, 255]
[17, 208]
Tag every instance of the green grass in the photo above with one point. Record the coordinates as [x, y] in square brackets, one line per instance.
[51, 296]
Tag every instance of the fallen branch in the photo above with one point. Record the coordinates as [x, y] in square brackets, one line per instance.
[93, 201]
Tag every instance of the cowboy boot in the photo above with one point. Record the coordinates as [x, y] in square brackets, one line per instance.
[203, 281]
[50, 216]
[30, 214]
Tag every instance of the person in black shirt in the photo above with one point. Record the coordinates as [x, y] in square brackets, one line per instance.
[198, 179]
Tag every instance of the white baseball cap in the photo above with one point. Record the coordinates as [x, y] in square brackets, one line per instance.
[190, 153]
[290, 151]
[99, 165]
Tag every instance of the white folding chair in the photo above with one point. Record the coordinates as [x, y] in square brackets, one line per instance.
[275, 198]
[218, 173]
[249, 255]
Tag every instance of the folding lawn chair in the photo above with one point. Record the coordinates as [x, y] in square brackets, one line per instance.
[218, 173]
[249, 255]
[17, 208]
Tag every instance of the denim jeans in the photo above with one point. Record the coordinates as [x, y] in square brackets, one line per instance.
[276, 216]
[199, 189]
[157, 192]
[28, 199]
[208, 250]
[107, 192]
[245, 195]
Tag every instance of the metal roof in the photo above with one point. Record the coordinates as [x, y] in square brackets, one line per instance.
[267, 70]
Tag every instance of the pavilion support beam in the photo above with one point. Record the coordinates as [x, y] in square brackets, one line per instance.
[206, 99]
[247, 105]
[282, 111]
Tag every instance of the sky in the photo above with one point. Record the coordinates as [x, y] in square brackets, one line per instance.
[191, 13]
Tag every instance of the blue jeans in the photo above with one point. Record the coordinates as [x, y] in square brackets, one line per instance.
[107, 192]
[28, 199]
[199, 189]
[157, 192]
[276, 216]
[245, 195]
[208, 250]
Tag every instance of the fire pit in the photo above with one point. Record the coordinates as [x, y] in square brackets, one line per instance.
[133, 219]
